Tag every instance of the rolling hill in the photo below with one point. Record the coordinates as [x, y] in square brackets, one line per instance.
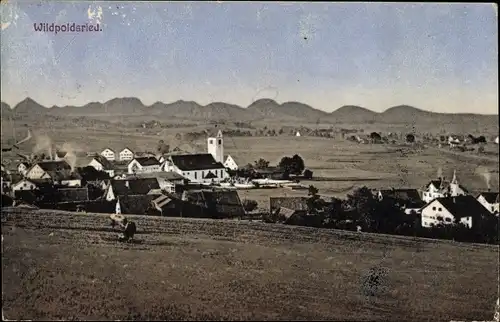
[260, 110]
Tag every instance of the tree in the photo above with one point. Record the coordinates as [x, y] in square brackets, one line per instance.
[314, 202]
[363, 203]
[162, 147]
[261, 164]
[294, 165]
[249, 205]
[410, 138]
[308, 174]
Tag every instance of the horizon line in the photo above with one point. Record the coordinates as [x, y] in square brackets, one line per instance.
[12, 107]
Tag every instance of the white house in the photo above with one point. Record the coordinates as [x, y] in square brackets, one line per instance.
[126, 155]
[297, 134]
[100, 163]
[496, 140]
[453, 141]
[230, 163]
[200, 168]
[465, 209]
[440, 188]
[489, 200]
[108, 154]
[144, 165]
[23, 168]
[24, 184]
[215, 146]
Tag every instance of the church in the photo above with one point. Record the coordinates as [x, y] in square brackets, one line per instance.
[201, 167]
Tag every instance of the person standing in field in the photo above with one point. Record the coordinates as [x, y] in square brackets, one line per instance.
[129, 230]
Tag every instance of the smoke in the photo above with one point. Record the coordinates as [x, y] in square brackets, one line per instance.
[440, 173]
[70, 156]
[43, 144]
[485, 173]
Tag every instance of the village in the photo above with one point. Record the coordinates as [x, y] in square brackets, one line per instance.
[205, 185]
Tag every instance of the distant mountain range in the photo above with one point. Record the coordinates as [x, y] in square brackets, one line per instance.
[263, 109]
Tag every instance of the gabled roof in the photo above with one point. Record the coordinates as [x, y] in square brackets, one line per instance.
[50, 166]
[26, 164]
[223, 202]
[401, 194]
[162, 201]
[135, 187]
[108, 149]
[491, 197]
[135, 204]
[190, 162]
[462, 206]
[295, 203]
[126, 149]
[89, 173]
[106, 164]
[147, 161]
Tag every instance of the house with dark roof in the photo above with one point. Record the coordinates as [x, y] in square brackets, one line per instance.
[73, 194]
[143, 165]
[489, 200]
[167, 206]
[100, 163]
[139, 186]
[200, 168]
[135, 205]
[441, 188]
[168, 181]
[23, 168]
[449, 210]
[407, 199]
[212, 204]
[273, 173]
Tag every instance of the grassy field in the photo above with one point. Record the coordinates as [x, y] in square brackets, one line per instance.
[69, 266]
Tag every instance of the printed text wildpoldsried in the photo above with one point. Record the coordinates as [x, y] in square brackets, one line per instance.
[68, 27]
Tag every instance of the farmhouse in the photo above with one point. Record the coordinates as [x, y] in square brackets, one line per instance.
[230, 163]
[101, 163]
[489, 200]
[407, 199]
[24, 184]
[108, 154]
[126, 155]
[167, 206]
[72, 194]
[143, 164]
[213, 203]
[23, 168]
[119, 188]
[294, 203]
[440, 188]
[274, 173]
[59, 172]
[201, 168]
[134, 204]
[448, 210]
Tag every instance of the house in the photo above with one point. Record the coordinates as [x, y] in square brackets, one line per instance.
[118, 188]
[90, 174]
[290, 216]
[213, 203]
[297, 134]
[23, 168]
[60, 172]
[448, 210]
[215, 147]
[168, 181]
[126, 155]
[230, 163]
[489, 200]
[441, 188]
[143, 164]
[200, 168]
[294, 203]
[108, 154]
[407, 199]
[24, 184]
[496, 140]
[454, 141]
[167, 206]
[6, 182]
[275, 173]
[135, 205]
[101, 163]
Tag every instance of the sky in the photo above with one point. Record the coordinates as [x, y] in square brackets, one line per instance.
[437, 57]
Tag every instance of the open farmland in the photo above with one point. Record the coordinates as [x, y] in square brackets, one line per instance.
[67, 266]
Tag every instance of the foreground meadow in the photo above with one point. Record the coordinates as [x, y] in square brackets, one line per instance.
[68, 266]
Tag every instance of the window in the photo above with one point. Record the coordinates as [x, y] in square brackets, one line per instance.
[211, 141]
[195, 175]
[202, 174]
[433, 208]
[448, 220]
[439, 218]
[440, 209]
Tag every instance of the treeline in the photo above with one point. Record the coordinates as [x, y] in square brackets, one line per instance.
[362, 210]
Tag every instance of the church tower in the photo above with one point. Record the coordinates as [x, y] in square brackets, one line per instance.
[215, 146]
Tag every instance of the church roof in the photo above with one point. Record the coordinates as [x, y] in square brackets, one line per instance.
[191, 162]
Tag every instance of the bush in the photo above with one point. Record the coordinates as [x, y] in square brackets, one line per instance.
[250, 205]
